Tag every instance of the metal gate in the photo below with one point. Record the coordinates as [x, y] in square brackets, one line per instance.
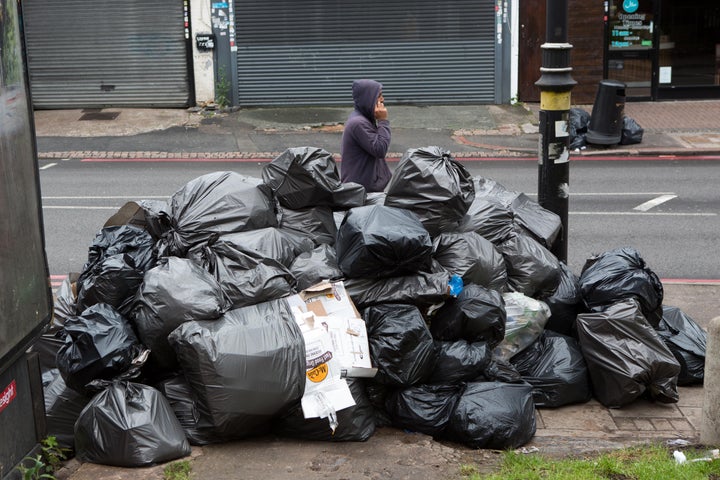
[129, 53]
[308, 53]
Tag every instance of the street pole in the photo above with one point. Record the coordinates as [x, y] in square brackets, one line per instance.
[555, 84]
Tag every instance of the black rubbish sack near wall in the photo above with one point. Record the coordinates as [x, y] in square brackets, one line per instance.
[129, 425]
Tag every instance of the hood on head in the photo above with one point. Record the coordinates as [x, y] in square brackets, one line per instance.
[365, 95]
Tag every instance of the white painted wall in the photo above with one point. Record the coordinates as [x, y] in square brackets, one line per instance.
[203, 66]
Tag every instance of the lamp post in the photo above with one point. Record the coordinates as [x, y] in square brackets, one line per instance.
[555, 84]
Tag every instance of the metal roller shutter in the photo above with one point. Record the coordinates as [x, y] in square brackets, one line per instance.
[308, 53]
[127, 53]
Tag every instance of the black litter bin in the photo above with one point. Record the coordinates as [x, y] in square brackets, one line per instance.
[606, 120]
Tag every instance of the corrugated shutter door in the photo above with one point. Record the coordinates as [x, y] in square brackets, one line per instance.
[308, 53]
[128, 53]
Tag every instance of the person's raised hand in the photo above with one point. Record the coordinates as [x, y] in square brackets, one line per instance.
[381, 112]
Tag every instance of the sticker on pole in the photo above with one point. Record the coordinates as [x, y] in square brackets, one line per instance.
[8, 395]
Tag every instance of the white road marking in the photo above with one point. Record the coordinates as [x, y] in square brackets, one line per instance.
[657, 214]
[76, 207]
[49, 165]
[644, 207]
[122, 197]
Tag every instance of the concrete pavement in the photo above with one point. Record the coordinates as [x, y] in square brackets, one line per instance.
[688, 127]
[671, 128]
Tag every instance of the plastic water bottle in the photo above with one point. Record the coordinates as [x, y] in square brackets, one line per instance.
[455, 285]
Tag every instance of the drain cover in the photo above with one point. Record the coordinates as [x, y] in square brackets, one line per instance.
[100, 116]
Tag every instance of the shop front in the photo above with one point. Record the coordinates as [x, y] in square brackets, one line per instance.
[664, 49]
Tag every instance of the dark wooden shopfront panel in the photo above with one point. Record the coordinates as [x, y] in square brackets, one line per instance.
[585, 34]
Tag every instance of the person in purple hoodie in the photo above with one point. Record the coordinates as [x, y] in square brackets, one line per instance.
[366, 138]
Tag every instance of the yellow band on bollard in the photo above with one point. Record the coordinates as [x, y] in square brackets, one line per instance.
[554, 101]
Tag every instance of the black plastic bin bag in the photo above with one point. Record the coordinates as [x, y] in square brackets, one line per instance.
[216, 203]
[542, 224]
[62, 409]
[245, 279]
[175, 291]
[401, 346]
[100, 344]
[129, 425]
[565, 303]
[631, 132]
[472, 257]
[355, 424]
[620, 274]
[117, 260]
[245, 368]
[302, 177]
[378, 241]
[317, 223]
[531, 268]
[182, 400]
[432, 184]
[424, 408]
[422, 290]
[493, 415]
[273, 243]
[460, 361]
[489, 214]
[687, 341]
[476, 315]
[555, 367]
[310, 268]
[626, 357]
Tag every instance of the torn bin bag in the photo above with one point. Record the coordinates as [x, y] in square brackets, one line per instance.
[378, 241]
[626, 357]
[129, 425]
[429, 182]
[245, 368]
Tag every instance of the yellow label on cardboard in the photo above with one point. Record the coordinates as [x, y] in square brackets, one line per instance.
[318, 374]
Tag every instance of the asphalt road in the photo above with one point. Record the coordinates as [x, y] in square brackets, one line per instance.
[669, 210]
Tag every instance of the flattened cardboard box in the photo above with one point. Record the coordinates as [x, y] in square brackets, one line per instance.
[335, 310]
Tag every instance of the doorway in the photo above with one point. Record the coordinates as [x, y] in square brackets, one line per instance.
[630, 46]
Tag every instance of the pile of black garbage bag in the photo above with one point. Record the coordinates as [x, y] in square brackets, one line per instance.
[176, 331]
[631, 132]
